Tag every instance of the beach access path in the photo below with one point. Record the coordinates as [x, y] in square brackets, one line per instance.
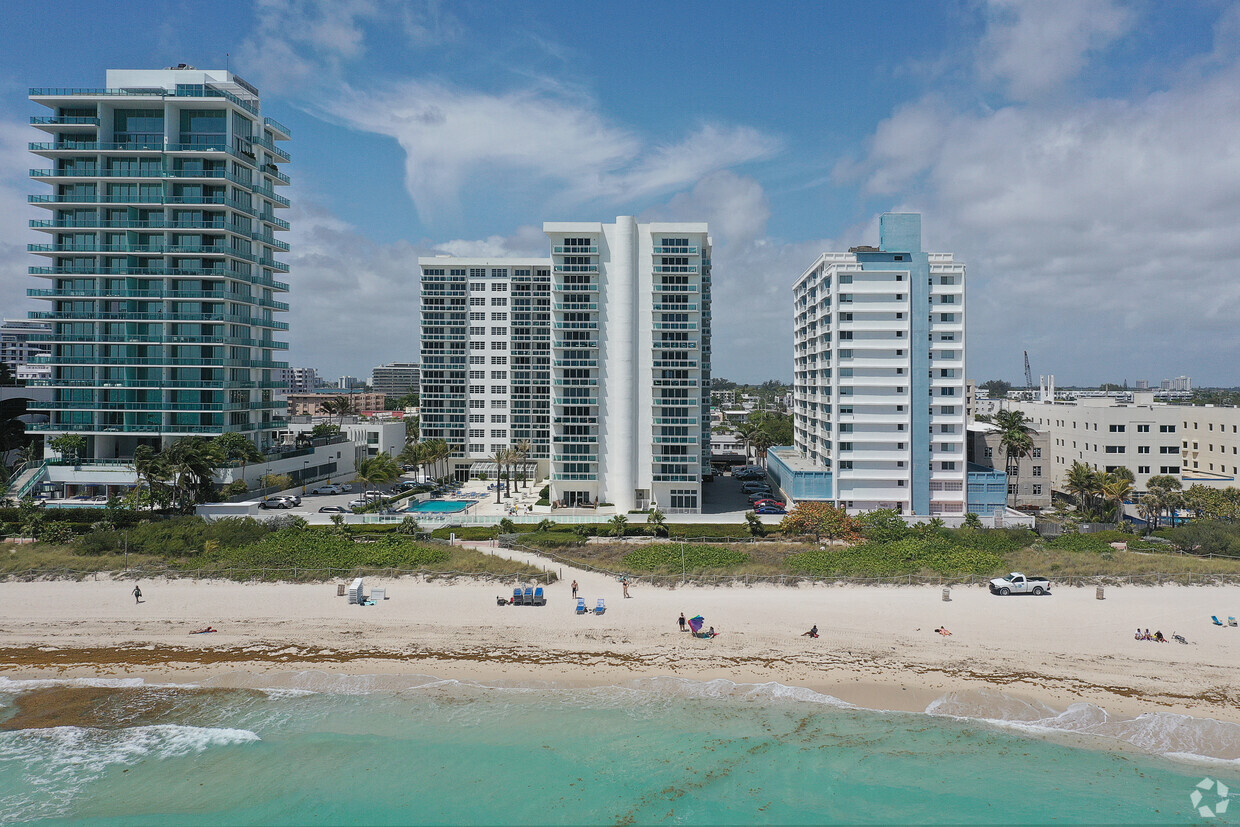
[877, 646]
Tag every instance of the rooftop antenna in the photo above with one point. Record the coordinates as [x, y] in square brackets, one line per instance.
[227, 58]
[1028, 374]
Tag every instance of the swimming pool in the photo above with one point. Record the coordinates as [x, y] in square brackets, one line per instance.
[440, 506]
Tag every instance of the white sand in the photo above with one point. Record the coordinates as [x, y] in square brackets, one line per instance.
[877, 646]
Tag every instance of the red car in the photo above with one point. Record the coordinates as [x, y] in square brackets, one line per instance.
[768, 501]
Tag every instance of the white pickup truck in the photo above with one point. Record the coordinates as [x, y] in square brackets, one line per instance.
[1017, 583]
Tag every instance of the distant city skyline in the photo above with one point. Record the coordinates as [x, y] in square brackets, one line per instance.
[1076, 154]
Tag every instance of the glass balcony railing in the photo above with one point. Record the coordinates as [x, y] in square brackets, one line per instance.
[675, 268]
[675, 288]
[64, 120]
[575, 268]
[66, 315]
[562, 250]
[171, 361]
[676, 251]
[278, 127]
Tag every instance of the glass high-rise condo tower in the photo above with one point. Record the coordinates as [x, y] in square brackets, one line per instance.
[160, 259]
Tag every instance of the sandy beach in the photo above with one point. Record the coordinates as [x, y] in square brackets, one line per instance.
[877, 646]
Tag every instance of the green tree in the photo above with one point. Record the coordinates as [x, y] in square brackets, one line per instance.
[971, 520]
[277, 481]
[658, 522]
[500, 457]
[236, 447]
[408, 526]
[754, 525]
[413, 429]
[618, 525]
[70, 446]
[882, 525]
[191, 464]
[1081, 483]
[1015, 441]
[340, 406]
[819, 519]
[1115, 491]
[378, 470]
[546, 525]
[324, 430]
[997, 388]
[1166, 490]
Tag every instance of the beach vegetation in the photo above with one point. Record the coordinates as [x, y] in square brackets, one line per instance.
[754, 525]
[882, 525]
[819, 519]
[697, 557]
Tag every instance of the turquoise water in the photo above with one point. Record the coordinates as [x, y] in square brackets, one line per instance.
[440, 506]
[416, 750]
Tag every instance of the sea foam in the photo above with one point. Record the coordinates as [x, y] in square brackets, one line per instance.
[1171, 735]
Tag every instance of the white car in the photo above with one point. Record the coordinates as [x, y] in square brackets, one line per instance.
[330, 488]
[359, 503]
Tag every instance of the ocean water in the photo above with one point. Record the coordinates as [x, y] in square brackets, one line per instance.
[326, 749]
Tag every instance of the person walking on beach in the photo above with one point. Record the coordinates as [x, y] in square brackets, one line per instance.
[682, 621]
[137, 595]
[624, 584]
[574, 590]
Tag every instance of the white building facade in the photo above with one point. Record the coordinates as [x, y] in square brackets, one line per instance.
[879, 365]
[598, 356]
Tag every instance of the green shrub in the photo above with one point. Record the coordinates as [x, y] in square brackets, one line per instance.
[697, 557]
[289, 548]
[912, 555]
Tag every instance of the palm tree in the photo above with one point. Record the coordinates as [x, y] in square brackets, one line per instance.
[377, 470]
[340, 405]
[1015, 441]
[1116, 491]
[149, 466]
[499, 458]
[236, 447]
[1081, 484]
[761, 441]
[191, 464]
[523, 452]
[618, 524]
[659, 522]
[746, 431]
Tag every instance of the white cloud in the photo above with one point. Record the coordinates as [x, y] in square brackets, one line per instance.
[454, 136]
[1034, 46]
[306, 42]
[1100, 235]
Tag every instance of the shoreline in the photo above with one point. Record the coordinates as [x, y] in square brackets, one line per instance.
[877, 648]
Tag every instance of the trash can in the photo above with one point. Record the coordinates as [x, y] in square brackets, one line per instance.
[947, 594]
[1098, 594]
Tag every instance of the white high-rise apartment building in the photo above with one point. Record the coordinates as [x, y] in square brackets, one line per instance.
[879, 363]
[598, 355]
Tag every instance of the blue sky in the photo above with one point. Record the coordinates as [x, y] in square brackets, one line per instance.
[1078, 156]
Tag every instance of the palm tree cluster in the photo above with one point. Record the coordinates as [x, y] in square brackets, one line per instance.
[182, 475]
[1015, 441]
[426, 454]
[1100, 495]
[763, 430]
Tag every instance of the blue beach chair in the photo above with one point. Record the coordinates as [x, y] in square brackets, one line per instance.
[528, 600]
[539, 598]
[581, 605]
[516, 596]
[600, 608]
[1217, 622]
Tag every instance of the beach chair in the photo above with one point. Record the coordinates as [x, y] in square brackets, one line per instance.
[528, 600]
[516, 596]
[1217, 622]
[600, 607]
[581, 605]
[1231, 621]
[539, 598]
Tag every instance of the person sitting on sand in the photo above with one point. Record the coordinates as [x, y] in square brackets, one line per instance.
[1147, 635]
[1158, 636]
[812, 632]
[942, 630]
[1137, 636]
[203, 631]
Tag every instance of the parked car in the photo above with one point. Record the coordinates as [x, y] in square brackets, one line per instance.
[770, 508]
[750, 487]
[373, 495]
[330, 488]
[346, 488]
[359, 503]
[758, 496]
[768, 501]
[334, 509]
[292, 498]
[407, 485]
[276, 502]
[1017, 583]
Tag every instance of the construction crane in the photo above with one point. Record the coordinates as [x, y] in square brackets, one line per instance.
[1028, 374]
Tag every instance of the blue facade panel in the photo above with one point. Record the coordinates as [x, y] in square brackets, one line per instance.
[987, 490]
[799, 484]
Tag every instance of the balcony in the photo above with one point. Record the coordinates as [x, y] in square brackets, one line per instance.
[278, 128]
[576, 287]
[560, 250]
[590, 458]
[675, 268]
[574, 477]
[674, 308]
[675, 288]
[676, 251]
[674, 326]
[574, 400]
[574, 268]
[571, 306]
[575, 325]
[675, 440]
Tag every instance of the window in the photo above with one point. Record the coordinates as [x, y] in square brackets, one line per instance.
[686, 498]
[477, 448]
[1115, 449]
[1169, 469]
[1166, 429]
[1168, 449]
[1037, 490]
[499, 419]
[497, 345]
[477, 301]
[1037, 470]
[845, 465]
[948, 466]
[499, 331]
[477, 374]
[477, 360]
[478, 418]
[477, 286]
[1143, 469]
[477, 316]
[498, 433]
[499, 403]
[1143, 429]
[1011, 488]
[988, 452]
[499, 360]
[1143, 449]
[500, 389]
[499, 287]
[477, 403]
[499, 317]
[477, 389]
[499, 301]
[477, 331]
[477, 433]
[499, 374]
[1037, 453]
[1116, 429]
